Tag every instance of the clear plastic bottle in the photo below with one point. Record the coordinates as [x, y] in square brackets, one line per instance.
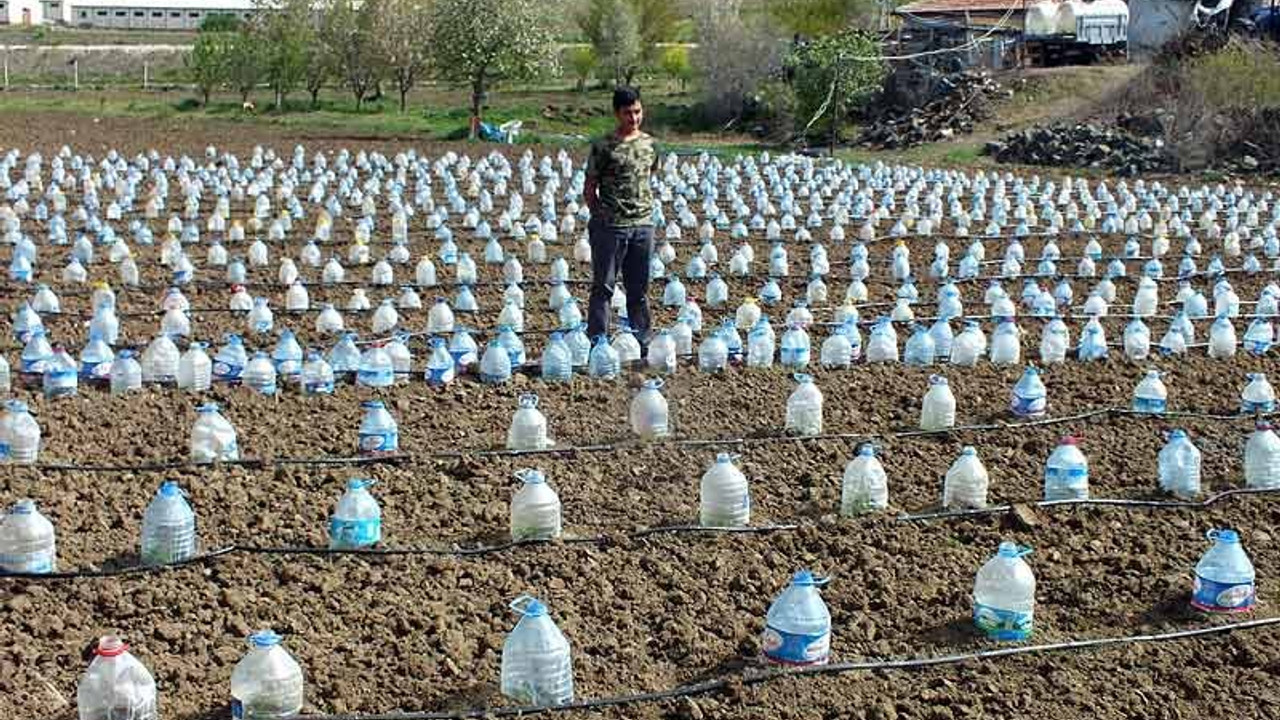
[535, 508]
[116, 686]
[966, 482]
[713, 353]
[649, 413]
[60, 375]
[528, 430]
[537, 667]
[557, 360]
[798, 627]
[794, 348]
[379, 434]
[376, 369]
[1179, 466]
[603, 361]
[882, 346]
[212, 437]
[287, 356]
[724, 495]
[317, 375]
[260, 319]
[1150, 395]
[229, 362]
[1004, 595]
[1029, 397]
[804, 407]
[1066, 474]
[267, 683]
[865, 486]
[1224, 578]
[168, 527]
[919, 350]
[837, 349]
[938, 408]
[1054, 341]
[357, 520]
[260, 374]
[440, 366]
[35, 356]
[627, 347]
[344, 357]
[1258, 395]
[96, 359]
[1222, 339]
[495, 365]
[1006, 343]
[1262, 458]
[28, 543]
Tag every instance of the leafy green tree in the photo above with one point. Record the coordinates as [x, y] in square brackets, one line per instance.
[614, 32]
[208, 62]
[480, 42]
[822, 17]
[220, 22]
[676, 64]
[659, 22]
[347, 31]
[283, 30]
[833, 74]
[581, 63]
[245, 62]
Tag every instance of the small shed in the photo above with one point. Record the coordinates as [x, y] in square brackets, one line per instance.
[989, 31]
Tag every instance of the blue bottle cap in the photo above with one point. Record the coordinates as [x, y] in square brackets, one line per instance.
[372, 405]
[208, 408]
[264, 638]
[25, 506]
[169, 488]
[359, 483]
[1226, 536]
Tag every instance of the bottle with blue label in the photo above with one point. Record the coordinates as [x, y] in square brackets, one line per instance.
[1258, 395]
[60, 375]
[1066, 474]
[440, 365]
[35, 357]
[1225, 578]
[228, 364]
[1004, 595]
[603, 361]
[317, 375]
[464, 349]
[96, 359]
[344, 357]
[798, 627]
[287, 356]
[376, 368]
[1030, 399]
[357, 521]
[28, 543]
[379, 434]
[1150, 396]
[537, 666]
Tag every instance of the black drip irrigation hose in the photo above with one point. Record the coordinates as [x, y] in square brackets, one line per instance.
[605, 539]
[752, 677]
[619, 446]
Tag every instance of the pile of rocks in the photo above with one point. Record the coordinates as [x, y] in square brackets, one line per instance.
[966, 99]
[1086, 146]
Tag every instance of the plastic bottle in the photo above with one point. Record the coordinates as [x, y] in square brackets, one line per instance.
[1006, 343]
[229, 362]
[287, 356]
[317, 375]
[760, 345]
[713, 353]
[96, 359]
[920, 348]
[60, 375]
[649, 412]
[1222, 338]
[557, 360]
[1066, 474]
[882, 346]
[168, 527]
[6, 379]
[376, 369]
[865, 486]
[837, 349]
[1224, 577]
[1258, 395]
[966, 482]
[1179, 466]
[379, 434]
[36, 354]
[724, 497]
[1054, 341]
[968, 346]
[603, 361]
[1150, 396]
[357, 520]
[528, 429]
[1029, 397]
[1004, 595]
[260, 374]
[495, 365]
[1262, 458]
[344, 357]
[116, 686]
[798, 627]
[28, 543]
[440, 366]
[938, 408]
[267, 683]
[804, 407]
[535, 508]
[537, 667]
[212, 437]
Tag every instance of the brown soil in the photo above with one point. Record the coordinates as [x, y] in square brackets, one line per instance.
[424, 632]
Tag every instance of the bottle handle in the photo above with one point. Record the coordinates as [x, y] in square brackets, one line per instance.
[1212, 535]
[521, 604]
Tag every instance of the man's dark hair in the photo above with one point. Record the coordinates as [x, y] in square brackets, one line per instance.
[625, 96]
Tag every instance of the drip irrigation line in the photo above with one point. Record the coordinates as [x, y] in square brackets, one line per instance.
[1088, 502]
[762, 676]
[633, 444]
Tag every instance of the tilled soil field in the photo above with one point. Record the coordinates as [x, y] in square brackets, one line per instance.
[647, 603]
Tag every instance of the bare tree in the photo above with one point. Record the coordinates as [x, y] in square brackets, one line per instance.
[348, 35]
[734, 56]
[401, 31]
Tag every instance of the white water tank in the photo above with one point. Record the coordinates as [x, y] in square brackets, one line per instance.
[1041, 19]
[1102, 22]
[1066, 17]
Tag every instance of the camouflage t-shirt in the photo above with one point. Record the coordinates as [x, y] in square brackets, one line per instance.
[622, 173]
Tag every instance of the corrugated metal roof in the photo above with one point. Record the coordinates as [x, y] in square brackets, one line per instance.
[960, 6]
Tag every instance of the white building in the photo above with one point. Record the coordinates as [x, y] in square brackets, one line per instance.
[121, 14]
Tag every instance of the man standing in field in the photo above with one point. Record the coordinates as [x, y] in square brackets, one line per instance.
[621, 229]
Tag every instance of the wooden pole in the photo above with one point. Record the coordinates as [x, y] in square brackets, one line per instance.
[146, 79]
[6, 68]
[75, 68]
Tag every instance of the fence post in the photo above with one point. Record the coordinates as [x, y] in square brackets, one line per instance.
[146, 80]
[6, 68]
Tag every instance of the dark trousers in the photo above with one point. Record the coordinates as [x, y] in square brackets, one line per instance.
[616, 250]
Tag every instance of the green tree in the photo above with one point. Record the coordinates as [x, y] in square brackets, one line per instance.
[220, 22]
[815, 18]
[675, 63]
[347, 31]
[401, 27]
[283, 30]
[833, 74]
[208, 61]
[659, 22]
[612, 28]
[245, 63]
[481, 42]
[581, 63]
